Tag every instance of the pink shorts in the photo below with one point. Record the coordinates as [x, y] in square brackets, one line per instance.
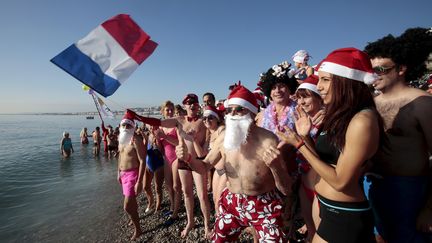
[128, 179]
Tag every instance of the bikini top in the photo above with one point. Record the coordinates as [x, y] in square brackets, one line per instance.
[326, 151]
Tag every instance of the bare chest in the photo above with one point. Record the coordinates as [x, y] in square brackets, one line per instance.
[389, 110]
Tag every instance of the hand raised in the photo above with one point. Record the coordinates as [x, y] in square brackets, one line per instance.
[303, 123]
[181, 148]
[270, 155]
[288, 136]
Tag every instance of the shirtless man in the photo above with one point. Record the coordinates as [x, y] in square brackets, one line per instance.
[131, 166]
[401, 190]
[96, 141]
[254, 170]
[195, 139]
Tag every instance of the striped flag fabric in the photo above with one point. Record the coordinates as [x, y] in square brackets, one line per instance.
[108, 55]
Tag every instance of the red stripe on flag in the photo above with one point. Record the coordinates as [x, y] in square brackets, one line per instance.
[130, 36]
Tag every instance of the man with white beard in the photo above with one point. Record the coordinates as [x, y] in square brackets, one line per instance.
[131, 167]
[254, 170]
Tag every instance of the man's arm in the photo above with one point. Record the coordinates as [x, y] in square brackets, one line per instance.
[424, 116]
[140, 148]
[273, 159]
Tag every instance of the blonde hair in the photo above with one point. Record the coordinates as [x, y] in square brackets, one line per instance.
[166, 104]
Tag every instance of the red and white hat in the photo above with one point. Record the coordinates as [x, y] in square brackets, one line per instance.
[241, 96]
[128, 118]
[310, 83]
[211, 111]
[349, 63]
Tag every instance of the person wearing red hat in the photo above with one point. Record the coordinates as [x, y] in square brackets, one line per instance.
[213, 120]
[400, 192]
[193, 130]
[254, 170]
[350, 137]
[309, 105]
[131, 166]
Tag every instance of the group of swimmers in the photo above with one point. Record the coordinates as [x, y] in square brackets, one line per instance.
[312, 133]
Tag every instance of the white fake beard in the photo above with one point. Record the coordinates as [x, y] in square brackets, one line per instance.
[236, 131]
[125, 136]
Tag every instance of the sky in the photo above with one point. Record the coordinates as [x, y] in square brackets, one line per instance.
[204, 46]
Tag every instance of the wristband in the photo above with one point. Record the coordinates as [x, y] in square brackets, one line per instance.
[301, 143]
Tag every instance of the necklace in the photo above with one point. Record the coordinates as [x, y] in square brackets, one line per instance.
[278, 124]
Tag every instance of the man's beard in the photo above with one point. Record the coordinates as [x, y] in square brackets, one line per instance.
[125, 136]
[236, 131]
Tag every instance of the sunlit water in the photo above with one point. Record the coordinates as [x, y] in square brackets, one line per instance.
[44, 197]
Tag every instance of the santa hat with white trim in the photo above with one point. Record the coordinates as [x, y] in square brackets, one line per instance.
[310, 83]
[128, 118]
[301, 56]
[211, 111]
[349, 63]
[241, 96]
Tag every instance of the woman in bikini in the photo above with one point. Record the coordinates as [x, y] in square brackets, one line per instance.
[350, 136]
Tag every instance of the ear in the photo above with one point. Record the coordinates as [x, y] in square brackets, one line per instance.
[402, 70]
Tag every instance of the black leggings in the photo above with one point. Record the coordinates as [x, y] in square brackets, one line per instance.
[345, 222]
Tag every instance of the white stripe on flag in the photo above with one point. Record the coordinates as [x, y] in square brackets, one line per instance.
[103, 49]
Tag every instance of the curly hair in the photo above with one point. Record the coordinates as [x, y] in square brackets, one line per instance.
[268, 81]
[411, 49]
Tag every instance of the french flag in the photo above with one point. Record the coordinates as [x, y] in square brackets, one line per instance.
[108, 55]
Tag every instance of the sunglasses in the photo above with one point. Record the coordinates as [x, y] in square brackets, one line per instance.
[380, 70]
[208, 118]
[236, 109]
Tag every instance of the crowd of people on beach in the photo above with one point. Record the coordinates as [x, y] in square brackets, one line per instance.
[345, 146]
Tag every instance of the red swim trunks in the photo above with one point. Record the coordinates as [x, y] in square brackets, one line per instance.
[238, 211]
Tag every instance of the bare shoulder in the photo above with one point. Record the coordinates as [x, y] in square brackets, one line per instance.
[365, 120]
[265, 136]
[259, 117]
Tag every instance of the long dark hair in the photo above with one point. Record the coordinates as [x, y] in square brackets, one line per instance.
[348, 98]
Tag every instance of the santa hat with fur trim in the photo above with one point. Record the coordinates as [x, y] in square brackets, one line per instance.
[211, 111]
[241, 96]
[128, 118]
[310, 83]
[349, 63]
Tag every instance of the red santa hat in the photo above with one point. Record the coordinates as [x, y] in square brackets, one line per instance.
[349, 63]
[241, 96]
[310, 83]
[260, 97]
[211, 111]
[128, 118]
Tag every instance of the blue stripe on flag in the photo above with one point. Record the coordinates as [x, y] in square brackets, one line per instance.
[79, 65]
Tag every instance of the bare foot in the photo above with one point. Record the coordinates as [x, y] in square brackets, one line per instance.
[130, 223]
[136, 234]
[186, 230]
[208, 234]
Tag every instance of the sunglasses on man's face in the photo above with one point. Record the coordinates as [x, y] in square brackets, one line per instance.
[380, 70]
[236, 109]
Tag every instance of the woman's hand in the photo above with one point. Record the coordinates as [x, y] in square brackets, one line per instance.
[289, 136]
[303, 122]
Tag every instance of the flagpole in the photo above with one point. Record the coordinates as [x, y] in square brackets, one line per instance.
[94, 100]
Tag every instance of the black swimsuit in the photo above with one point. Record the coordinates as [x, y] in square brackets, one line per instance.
[341, 221]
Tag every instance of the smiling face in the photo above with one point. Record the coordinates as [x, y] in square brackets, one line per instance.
[324, 86]
[308, 101]
[280, 93]
[387, 72]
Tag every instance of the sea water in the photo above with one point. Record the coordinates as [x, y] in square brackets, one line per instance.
[45, 197]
